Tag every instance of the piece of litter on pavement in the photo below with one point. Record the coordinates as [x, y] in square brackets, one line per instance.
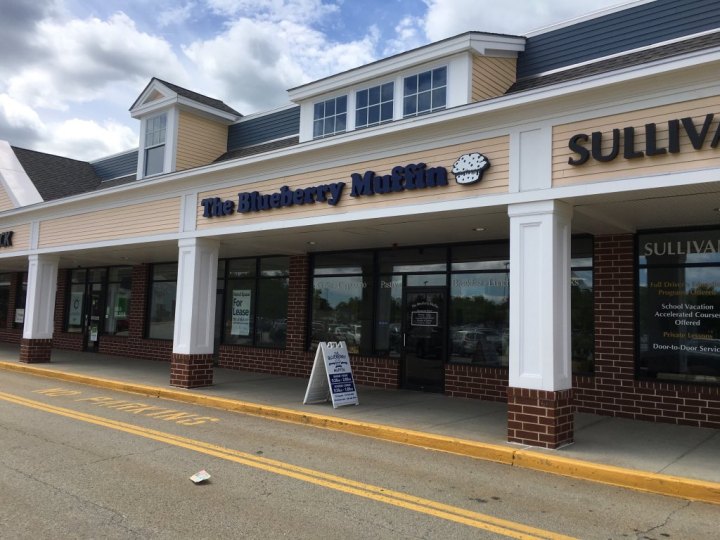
[200, 476]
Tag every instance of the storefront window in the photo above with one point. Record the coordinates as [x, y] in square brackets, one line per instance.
[479, 305]
[256, 299]
[582, 307]
[342, 300]
[388, 330]
[117, 307]
[5, 281]
[76, 301]
[20, 299]
[163, 287]
[479, 315]
[360, 298]
[679, 306]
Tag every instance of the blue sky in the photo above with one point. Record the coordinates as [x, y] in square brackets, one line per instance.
[70, 69]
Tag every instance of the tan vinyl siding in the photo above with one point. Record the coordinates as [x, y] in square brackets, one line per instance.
[143, 219]
[200, 141]
[594, 171]
[491, 77]
[495, 180]
[20, 238]
[5, 200]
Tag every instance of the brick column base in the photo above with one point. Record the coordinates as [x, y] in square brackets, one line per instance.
[35, 351]
[191, 370]
[540, 418]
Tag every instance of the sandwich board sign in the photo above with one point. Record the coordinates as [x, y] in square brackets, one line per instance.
[331, 376]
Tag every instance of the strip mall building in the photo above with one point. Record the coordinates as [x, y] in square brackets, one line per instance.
[530, 219]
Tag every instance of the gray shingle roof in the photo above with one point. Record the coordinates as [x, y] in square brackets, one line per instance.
[620, 62]
[259, 149]
[56, 177]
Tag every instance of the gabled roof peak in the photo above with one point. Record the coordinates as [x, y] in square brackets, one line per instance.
[159, 93]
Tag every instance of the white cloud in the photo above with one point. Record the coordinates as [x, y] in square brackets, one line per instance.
[88, 139]
[301, 11]
[84, 57]
[253, 62]
[254, 50]
[16, 114]
[17, 26]
[19, 124]
[447, 18]
[176, 15]
[407, 36]
[76, 138]
[103, 63]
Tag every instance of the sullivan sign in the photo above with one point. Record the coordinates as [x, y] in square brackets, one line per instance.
[467, 170]
[625, 139]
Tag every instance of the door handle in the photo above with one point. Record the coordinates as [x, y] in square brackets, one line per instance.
[404, 334]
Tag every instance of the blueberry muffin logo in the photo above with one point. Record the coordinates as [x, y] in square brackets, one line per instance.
[469, 168]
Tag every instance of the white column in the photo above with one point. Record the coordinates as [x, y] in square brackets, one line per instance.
[40, 302]
[195, 299]
[540, 296]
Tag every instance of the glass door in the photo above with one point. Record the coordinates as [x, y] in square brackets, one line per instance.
[424, 342]
[94, 316]
[86, 305]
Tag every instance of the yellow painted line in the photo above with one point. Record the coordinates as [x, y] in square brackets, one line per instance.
[489, 452]
[660, 484]
[395, 498]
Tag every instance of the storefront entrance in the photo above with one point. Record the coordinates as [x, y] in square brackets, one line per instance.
[98, 303]
[86, 305]
[93, 316]
[424, 343]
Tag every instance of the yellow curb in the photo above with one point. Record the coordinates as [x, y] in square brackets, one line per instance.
[661, 484]
[490, 452]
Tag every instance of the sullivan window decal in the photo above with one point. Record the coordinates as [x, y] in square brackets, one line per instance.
[468, 169]
[679, 305]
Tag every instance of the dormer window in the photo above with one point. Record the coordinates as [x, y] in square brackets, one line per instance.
[425, 92]
[330, 117]
[155, 129]
[374, 105]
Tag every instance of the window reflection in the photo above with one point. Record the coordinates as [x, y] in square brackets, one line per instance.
[479, 316]
[163, 289]
[341, 311]
[358, 297]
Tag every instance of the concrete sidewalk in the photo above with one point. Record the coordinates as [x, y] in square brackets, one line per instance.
[672, 460]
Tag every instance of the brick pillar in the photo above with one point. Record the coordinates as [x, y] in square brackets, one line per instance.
[299, 285]
[540, 417]
[191, 370]
[138, 302]
[60, 298]
[35, 351]
[613, 274]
